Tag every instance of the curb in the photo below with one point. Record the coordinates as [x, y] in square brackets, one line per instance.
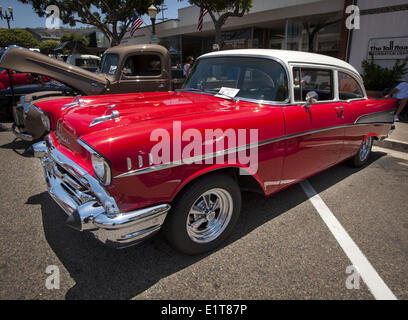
[396, 145]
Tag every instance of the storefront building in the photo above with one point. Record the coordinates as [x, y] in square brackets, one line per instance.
[305, 25]
[383, 33]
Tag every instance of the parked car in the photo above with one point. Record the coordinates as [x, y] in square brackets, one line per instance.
[18, 79]
[124, 69]
[85, 61]
[125, 166]
[31, 91]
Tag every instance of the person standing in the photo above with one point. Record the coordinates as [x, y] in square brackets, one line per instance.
[400, 92]
[187, 66]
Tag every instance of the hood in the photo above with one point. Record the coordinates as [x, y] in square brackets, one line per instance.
[131, 109]
[24, 60]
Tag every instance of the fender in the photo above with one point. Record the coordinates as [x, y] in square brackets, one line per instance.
[213, 169]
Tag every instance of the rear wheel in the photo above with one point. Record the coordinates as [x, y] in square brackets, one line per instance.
[363, 153]
[204, 215]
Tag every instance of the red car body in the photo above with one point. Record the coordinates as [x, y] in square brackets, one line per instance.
[18, 79]
[295, 139]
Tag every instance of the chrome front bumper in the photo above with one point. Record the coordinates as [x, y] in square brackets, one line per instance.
[89, 206]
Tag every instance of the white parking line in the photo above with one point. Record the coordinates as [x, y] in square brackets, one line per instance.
[372, 279]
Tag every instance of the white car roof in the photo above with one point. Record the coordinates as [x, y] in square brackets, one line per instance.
[287, 56]
[84, 56]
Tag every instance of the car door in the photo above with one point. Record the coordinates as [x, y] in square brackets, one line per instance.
[354, 102]
[314, 133]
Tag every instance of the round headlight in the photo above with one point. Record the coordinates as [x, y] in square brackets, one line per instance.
[101, 168]
[46, 121]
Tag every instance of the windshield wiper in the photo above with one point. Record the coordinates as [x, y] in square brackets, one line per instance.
[191, 89]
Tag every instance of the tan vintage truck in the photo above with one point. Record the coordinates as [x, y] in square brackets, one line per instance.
[124, 69]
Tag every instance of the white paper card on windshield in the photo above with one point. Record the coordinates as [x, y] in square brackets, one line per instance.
[112, 69]
[229, 92]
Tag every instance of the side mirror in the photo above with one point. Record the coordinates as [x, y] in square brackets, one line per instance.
[311, 97]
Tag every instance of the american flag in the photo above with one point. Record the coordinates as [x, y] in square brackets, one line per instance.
[136, 23]
[203, 12]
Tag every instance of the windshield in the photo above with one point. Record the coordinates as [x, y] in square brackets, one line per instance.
[109, 63]
[256, 78]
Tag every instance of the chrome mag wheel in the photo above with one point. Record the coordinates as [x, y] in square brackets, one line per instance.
[365, 149]
[209, 215]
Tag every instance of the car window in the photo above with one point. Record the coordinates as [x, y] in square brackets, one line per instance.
[308, 79]
[143, 65]
[256, 78]
[109, 63]
[348, 87]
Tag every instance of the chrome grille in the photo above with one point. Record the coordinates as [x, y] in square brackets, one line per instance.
[74, 186]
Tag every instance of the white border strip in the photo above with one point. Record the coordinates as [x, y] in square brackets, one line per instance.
[372, 279]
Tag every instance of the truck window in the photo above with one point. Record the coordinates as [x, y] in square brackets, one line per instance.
[109, 63]
[143, 65]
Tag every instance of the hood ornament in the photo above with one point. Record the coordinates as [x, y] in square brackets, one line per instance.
[75, 102]
[114, 114]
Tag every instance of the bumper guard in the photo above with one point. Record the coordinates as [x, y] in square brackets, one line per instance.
[89, 206]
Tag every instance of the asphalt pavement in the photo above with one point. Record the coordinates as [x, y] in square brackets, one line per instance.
[280, 249]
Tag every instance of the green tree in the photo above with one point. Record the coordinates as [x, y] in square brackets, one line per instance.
[75, 40]
[112, 17]
[313, 28]
[221, 10]
[48, 46]
[18, 37]
[378, 78]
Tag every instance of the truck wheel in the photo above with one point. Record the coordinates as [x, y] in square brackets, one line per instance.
[363, 154]
[204, 215]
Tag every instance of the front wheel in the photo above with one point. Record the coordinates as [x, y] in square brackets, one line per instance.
[363, 153]
[204, 215]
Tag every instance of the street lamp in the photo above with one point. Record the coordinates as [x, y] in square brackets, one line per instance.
[152, 10]
[6, 16]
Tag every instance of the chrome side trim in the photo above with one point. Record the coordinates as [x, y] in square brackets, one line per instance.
[228, 151]
[376, 117]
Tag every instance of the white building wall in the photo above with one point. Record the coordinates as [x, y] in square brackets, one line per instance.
[261, 11]
[380, 25]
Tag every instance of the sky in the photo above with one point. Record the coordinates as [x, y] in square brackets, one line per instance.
[25, 17]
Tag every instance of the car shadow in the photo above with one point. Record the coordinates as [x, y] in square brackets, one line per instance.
[21, 147]
[103, 273]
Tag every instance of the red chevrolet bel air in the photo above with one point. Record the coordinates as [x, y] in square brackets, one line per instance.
[125, 166]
